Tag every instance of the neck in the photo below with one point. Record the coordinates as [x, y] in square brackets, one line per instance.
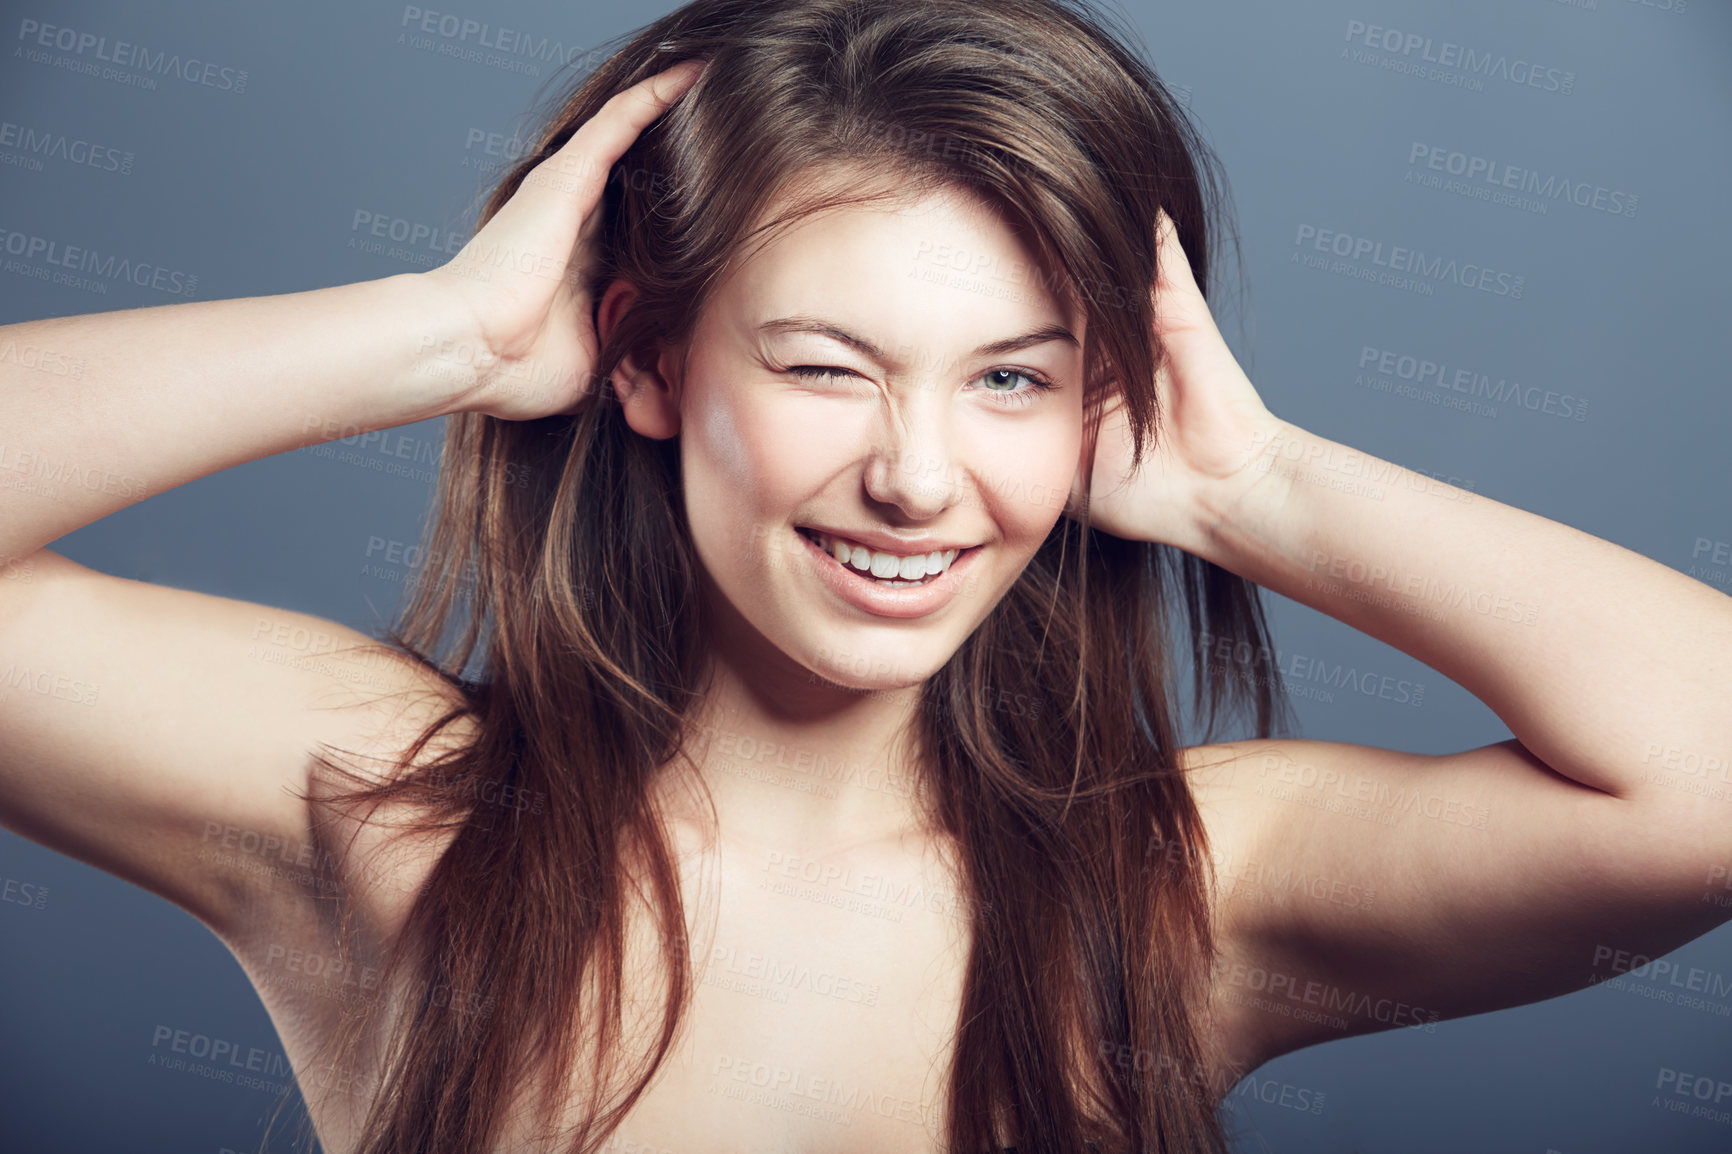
[793, 761]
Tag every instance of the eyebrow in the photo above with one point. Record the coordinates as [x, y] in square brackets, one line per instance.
[824, 328]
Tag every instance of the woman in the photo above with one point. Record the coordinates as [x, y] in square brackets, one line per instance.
[781, 747]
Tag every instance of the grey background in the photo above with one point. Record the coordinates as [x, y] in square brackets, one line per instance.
[255, 192]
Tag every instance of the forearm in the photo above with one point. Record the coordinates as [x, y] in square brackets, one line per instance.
[1608, 666]
[98, 412]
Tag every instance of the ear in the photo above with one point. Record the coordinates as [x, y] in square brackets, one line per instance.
[646, 388]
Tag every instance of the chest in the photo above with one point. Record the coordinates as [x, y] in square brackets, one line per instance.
[826, 994]
[826, 988]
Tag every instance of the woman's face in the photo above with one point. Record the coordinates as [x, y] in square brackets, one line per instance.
[918, 426]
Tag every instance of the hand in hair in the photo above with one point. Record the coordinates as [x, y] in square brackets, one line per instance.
[521, 276]
[1212, 431]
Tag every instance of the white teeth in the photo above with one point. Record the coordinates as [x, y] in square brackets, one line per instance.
[887, 566]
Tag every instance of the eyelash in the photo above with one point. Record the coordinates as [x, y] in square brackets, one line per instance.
[1020, 397]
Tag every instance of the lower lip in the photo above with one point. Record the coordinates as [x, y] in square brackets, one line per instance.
[883, 600]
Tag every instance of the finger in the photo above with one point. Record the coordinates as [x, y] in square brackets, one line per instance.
[605, 137]
[1172, 266]
[1081, 487]
[579, 167]
[1179, 304]
[538, 229]
[1164, 227]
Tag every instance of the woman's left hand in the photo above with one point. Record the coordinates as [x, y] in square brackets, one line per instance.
[1213, 425]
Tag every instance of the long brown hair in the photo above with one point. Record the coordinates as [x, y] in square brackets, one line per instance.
[559, 597]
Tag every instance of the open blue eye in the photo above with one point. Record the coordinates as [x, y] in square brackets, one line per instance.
[1037, 384]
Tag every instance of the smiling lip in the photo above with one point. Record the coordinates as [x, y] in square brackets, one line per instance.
[866, 594]
[887, 543]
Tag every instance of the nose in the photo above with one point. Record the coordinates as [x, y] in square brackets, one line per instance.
[912, 465]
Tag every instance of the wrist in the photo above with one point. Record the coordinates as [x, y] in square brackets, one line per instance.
[449, 358]
[1227, 513]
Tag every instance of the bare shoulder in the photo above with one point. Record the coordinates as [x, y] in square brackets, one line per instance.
[1232, 1036]
[168, 736]
[1363, 889]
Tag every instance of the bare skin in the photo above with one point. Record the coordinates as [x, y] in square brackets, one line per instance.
[1427, 886]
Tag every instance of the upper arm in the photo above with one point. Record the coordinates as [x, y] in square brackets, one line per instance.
[163, 735]
[1364, 889]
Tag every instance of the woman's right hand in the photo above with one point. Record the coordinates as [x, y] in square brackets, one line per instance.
[521, 277]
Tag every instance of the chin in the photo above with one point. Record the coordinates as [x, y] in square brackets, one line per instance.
[866, 668]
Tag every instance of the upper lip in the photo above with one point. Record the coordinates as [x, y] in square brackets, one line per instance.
[891, 543]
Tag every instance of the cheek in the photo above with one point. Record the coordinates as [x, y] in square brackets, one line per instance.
[747, 466]
[1027, 476]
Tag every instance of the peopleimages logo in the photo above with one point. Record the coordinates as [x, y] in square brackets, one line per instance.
[1401, 51]
[35, 144]
[479, 42]
[87, 46]
[1486, 177]
[1410, 266]
[78, 259]
[1470, 382]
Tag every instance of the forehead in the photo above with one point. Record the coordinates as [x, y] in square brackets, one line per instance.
[934, 266]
